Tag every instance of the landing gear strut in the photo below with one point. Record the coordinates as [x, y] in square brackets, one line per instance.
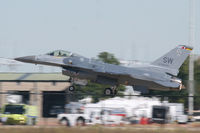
[72, 87]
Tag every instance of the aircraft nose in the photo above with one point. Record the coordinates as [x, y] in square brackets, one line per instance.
[26, 59]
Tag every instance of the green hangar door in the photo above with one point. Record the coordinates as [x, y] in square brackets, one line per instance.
[53, 103]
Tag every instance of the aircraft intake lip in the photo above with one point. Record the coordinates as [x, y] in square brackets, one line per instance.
[26, 59]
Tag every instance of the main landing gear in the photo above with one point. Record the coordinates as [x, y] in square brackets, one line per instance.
[110, 91]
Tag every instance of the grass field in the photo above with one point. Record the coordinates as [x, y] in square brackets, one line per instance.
[92, 130]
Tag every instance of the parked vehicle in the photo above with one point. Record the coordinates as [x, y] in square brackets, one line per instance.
[77, 114]
[73, 119]
[160, 114]
[19, 114]
[107, 116]
[123, 111]
[74, 115]
[182, 119]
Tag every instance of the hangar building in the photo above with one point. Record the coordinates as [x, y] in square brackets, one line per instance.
[45, 90]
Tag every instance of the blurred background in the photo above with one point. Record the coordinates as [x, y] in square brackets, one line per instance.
[114, 31]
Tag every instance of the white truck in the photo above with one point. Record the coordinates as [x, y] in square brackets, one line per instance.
[107, 117]
[77, 115]
[73, 119]
[74, 115]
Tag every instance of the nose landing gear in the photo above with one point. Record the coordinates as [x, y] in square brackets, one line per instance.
[71, 88]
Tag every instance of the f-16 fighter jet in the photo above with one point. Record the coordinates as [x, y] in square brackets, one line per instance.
[158, 75]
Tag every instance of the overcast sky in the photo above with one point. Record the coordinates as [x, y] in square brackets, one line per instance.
[130, 29]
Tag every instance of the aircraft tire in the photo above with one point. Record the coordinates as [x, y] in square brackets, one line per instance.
[71, 88]
[108, 91]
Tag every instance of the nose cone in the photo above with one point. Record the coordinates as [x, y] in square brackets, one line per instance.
[28, 59]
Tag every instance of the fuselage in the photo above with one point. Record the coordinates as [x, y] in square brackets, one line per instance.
[159, 75]
[104, 73]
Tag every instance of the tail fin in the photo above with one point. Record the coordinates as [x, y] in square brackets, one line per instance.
[175, 58]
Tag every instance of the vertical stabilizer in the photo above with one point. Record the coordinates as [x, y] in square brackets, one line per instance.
[174, 58]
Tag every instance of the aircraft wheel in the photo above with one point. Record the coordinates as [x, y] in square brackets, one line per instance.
[108, 91]
[71, 88]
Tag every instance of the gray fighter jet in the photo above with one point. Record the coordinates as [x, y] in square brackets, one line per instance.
[158, 75]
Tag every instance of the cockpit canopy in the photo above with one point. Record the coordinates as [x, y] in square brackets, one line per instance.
[60, 53]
